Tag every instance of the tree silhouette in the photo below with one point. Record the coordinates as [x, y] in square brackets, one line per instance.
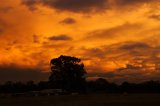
[67, 73]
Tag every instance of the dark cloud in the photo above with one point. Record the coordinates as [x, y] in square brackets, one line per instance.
[85, 6]
[130, 67]
[134, 45]
[134, 76]
[155, 17]
[133, 2]
[60, 37]
[68, 21]
[137, 73]
[134, 49]
[70, 5]
[31, 4]
[132, 5]
[93, 52]
[129, 50]
[15, 73]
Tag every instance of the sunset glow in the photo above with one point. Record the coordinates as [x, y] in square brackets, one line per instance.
[116, 39]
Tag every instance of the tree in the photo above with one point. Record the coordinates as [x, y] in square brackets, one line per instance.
[67, 73]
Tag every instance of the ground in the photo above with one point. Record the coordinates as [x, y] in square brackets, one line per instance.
[85, 100]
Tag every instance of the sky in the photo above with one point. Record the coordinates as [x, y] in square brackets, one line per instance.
[115, 39]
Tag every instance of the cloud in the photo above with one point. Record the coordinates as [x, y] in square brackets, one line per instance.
[128, 2]
[155, 17]
[119, 54]
[117, 31]
[35, 39]
[130, 73]
[3, 25]
[134, 45]
[5, 9]
[133, 2]
[1, 31]
[30, 4]
[86, 6]
[129, 50]
[118, 51]
[70, 5]
[137, 72]
[133, 76]
[93, 52]
[60, 37]
[15, 73]
[68, 21]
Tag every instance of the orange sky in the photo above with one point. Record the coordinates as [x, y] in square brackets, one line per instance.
[116, 39]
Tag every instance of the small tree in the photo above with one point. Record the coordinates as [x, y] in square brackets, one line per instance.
[67, 73]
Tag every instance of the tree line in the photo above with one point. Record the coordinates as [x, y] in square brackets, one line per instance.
[96, 86]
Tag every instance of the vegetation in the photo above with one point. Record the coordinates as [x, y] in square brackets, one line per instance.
[67, 73]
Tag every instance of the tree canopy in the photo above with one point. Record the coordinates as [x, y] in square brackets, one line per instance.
[67, 73]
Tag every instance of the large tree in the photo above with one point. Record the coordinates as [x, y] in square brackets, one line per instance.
[67, 73]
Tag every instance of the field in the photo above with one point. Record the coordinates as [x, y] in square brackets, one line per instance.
[85, 100]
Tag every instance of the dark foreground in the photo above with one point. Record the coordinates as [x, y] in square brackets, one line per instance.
[85, 100]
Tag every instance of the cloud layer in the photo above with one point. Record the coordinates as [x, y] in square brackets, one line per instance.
[15, 74]
[83, 6]
[70, 5]
[116, 39]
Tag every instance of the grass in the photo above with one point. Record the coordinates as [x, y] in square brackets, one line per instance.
[85, 100]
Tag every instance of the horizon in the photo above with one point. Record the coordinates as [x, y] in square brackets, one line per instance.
[115, 39]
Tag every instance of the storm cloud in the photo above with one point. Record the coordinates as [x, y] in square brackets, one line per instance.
[15, 73]
[85, 6]
[70, 5]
